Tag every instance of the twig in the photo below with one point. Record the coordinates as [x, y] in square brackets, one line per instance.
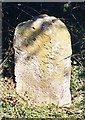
[76, 59]
[1, 65]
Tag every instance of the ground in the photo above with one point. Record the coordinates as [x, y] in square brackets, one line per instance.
[13, 106]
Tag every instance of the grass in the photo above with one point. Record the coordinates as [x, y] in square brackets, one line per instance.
[13, 106]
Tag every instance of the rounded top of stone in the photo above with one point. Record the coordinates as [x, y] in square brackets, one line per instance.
[43, 27]
[41, 22]
[44, 16]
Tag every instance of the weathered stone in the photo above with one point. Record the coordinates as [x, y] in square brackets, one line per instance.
[42, 61]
